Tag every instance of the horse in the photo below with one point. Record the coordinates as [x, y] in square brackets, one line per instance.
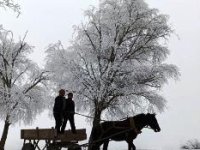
[127, 130]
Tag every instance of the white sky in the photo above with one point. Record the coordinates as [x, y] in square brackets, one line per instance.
[48, 21]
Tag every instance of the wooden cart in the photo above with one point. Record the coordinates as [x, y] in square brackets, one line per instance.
[52, 141]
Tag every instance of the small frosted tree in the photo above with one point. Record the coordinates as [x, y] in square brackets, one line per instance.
[116, 60]
[22, 92]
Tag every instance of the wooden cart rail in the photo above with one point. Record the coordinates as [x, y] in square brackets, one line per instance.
[50, 134]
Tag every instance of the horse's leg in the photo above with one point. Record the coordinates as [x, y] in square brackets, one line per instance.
[134, 148]
[98, 147]
[131, 146]
[95, 147]
[105, 144]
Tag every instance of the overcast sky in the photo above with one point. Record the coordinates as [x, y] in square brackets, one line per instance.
[48, 21]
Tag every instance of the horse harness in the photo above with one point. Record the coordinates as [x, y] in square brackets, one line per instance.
[133, 126]
[131, 123]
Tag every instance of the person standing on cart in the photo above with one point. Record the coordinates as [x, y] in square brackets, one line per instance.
[69, 111]
[58, 110]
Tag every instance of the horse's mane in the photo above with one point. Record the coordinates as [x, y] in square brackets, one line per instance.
[139, 115]
[142, 115]
[140, 118]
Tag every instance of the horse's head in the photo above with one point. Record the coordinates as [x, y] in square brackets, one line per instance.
[152, 122]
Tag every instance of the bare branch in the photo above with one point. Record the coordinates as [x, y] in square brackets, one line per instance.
[37, 80]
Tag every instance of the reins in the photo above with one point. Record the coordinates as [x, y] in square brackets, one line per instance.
[106, 120]
[93, 117]
[106, 138]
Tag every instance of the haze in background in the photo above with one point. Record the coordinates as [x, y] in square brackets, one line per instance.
[48, 21]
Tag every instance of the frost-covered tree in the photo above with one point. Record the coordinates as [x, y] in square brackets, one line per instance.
[22, 92]
[10, 4]
[116, 63]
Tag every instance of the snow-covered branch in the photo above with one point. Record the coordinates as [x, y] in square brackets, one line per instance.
[10, 4]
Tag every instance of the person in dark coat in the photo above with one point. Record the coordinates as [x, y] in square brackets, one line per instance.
[69, 111]
[58, 110]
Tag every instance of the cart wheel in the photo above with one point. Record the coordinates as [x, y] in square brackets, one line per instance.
[74, 147]
[28, 146]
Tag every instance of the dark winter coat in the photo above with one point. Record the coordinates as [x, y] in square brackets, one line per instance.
[58, 105]
[69, 108]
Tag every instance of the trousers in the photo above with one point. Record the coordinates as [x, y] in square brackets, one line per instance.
[69, 117]
[58, 121]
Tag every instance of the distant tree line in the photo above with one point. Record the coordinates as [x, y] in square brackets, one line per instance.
[191, 144]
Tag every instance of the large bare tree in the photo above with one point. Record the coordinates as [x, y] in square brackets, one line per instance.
[116, 63]
[22, 92]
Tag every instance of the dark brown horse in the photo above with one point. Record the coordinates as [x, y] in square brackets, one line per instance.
[122, 130]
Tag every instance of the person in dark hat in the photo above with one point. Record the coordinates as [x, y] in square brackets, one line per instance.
[58, 110]
[69, 111]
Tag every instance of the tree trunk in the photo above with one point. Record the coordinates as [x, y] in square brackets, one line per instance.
[96, 121]
[5, 133]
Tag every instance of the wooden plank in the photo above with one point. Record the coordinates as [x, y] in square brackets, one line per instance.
[49, 134]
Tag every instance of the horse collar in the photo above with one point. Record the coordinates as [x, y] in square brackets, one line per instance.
[133, 126]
